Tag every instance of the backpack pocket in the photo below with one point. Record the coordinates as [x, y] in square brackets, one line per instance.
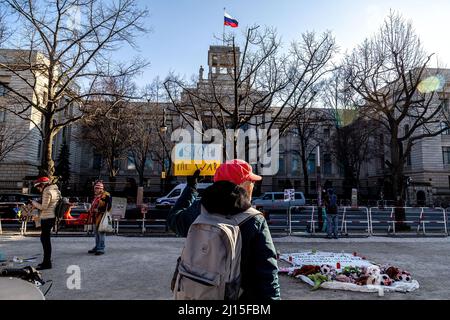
[191, 286]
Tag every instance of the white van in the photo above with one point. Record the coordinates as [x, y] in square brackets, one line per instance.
[275, 200]
[171, 198]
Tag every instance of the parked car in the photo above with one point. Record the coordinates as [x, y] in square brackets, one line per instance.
[275, 201]
[171, 198]
[77, 215]
[10, 203]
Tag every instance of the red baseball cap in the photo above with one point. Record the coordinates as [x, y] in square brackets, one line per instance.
[99, 185]
[42, 180]
[236, 171]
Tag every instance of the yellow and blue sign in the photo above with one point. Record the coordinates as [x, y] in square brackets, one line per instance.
[188, 158]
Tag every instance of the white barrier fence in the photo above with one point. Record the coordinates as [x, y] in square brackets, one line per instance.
[142, 223]
[371, 220]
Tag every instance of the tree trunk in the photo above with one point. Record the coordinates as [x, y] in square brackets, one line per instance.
[141, 170]
[305, 177]
[141, 178]
[397, 182]
[47, 163]
[112, 180]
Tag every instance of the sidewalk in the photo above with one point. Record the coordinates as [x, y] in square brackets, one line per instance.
[141, 268]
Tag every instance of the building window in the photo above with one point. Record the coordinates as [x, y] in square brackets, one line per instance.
[149, 164]
[445, 105]
[382, 158]
[39, 152]
[312, 164]
[2, 115]
[406, 129]
[327, 165]
[408, 159]
[131, 165]
[446, 155]
[326, 132]
[207, 122]
[341, 170]
[3, 90]
[313, 186]
[295, 166]
[282, 167]
[97, 161]
[445, 126]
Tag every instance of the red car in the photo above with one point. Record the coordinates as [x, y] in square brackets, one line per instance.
[77, 215]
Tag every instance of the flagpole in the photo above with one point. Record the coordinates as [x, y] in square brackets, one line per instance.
[223, 35]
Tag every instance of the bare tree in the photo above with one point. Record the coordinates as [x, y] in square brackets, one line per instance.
[307, 129]
[389, 73]
[108, 126]
[67, 47]
[148, 143]
[352, 141]
[251, 79]
[3, 29]
[352, 146]
[150, 131]
[11, 138]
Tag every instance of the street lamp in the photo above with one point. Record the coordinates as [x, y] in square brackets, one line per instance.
[318, 178]
[163, 130]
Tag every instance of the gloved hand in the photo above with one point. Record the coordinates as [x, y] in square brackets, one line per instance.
[193, 180]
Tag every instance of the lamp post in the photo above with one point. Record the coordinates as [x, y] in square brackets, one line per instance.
[319, 182]
[163, 130]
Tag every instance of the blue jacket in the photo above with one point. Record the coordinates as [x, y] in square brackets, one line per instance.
[259, 269]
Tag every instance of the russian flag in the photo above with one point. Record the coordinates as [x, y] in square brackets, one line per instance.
[229, 21]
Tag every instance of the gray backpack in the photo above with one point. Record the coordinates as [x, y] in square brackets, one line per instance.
[209, 266]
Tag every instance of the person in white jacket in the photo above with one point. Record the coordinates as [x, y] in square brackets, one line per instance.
[50, 198]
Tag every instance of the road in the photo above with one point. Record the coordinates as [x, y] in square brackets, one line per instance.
[142, 267]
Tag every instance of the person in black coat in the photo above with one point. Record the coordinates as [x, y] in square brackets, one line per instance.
[229, 195]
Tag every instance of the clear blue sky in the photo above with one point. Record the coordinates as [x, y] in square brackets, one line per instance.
[182, 30]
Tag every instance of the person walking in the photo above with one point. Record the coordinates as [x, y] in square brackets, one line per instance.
[50, 198]
[101, 204]
[230, 195]
[332, 214]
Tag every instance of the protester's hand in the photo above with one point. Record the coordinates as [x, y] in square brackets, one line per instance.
[193, 180]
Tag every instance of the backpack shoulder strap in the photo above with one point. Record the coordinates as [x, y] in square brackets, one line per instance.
[243, 217]
[207, 218]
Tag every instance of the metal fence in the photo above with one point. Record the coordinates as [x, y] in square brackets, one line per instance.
[361, 221]
[296, 220]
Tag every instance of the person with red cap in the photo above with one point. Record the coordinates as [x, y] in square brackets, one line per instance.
[231, 194]
[50, 198]
[101, 204]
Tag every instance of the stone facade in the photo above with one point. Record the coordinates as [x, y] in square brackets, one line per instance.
[21, 165]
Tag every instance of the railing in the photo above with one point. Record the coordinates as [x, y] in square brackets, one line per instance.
[23, 225]
[143, 225]
[301, 210]
[141, 222]
[427, 217]
[415, 218]
[302, 219]
[351, 217]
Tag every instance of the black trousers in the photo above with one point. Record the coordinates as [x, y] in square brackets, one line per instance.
[46, 228]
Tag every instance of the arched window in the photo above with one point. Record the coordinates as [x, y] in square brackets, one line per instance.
[445, 126]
